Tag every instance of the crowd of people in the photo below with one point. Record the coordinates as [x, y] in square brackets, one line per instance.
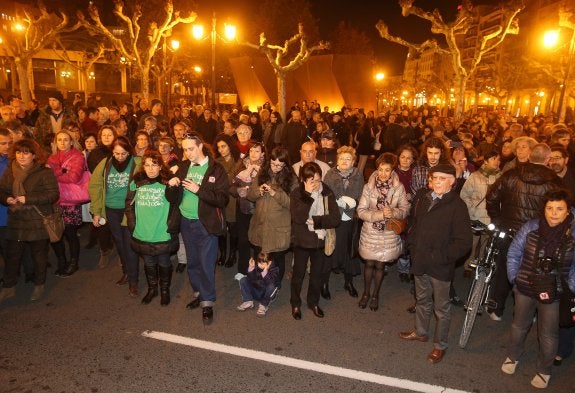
[192, 189]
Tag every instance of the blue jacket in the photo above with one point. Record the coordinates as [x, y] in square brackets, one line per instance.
[3, 208]
[517, 250]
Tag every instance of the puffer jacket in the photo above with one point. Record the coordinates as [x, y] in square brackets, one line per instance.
[473, 194]
[270, 226]
[517, 196]
[41, 186]
[521, 258]
[375, 244]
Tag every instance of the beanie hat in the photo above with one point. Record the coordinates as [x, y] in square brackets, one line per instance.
[56, 95]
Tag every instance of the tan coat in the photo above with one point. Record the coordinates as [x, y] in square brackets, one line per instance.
[376, 245]
[473, 194]
[270, 226]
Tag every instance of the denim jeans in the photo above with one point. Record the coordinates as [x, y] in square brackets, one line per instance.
[122, 239]
[201, 252]
[262, 295]
[432, 295]
[152, 260]
[547, 330]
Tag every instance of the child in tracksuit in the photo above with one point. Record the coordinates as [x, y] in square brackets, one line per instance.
[259, 284]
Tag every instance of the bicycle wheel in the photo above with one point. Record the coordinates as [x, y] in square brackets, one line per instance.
[473, 305]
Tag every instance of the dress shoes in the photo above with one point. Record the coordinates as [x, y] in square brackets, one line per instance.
[318, 312]
[123, 280]
[181, 267]
[363, 301]
[296, 313]
[412, 336]
[195, 303]
[348, 286]
[325, 292]
[411, 309]
[207, 315]
[436, 355]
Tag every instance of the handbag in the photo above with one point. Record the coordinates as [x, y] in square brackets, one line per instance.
[53, 223]
[566, 306]
[329, 246]
[397, 225]
[75, 193]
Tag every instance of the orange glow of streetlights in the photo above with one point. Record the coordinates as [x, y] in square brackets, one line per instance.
[379, 76]
[550, 38]
[230, 32]
[175, 44]
[198, 32]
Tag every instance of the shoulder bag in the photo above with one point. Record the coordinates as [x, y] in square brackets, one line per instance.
[329, 232]
[53, 223]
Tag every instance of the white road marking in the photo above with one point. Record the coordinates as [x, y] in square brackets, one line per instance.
[303, 364]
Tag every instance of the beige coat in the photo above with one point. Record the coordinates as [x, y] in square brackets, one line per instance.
[473, 194]
[270, 226]
[375, 244]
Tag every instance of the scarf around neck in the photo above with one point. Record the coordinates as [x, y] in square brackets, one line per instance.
[316, 209]
[382, 188]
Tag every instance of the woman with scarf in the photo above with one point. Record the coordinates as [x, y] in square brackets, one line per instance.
[25, 186]
[68, 165]
[245, 208]
[270, 226]
[313, 210]
[346, 182]
[542, 250]
[108, 189]
[383, 198]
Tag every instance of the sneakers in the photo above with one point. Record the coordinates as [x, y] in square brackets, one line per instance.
[540, 381]
[245, 306]
[494, 317]
[509, 366]
[261, 312]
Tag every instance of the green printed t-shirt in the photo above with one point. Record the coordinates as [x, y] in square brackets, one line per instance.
[189, 205]
[117, 187]
[152, 209]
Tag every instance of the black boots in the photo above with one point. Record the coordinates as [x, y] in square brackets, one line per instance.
[165, 282]
[70, 269]
[152, 277]
[348, 286]
[223, 250]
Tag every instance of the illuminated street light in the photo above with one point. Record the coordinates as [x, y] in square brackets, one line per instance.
[379, 76]
[550, 38]
[229, 33]
[198, 69]
[175, 44]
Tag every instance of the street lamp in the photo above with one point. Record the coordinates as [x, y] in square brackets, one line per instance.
[378, 79]
[230, 34]
[167, 77]
[550, 39]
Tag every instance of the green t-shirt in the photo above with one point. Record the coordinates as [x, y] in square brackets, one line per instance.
[189, 205]
[117, 187]
[152, 209]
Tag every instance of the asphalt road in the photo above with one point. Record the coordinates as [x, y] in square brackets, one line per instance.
[86, 335]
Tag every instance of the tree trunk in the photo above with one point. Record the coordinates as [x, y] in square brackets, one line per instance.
[22, 69]
[145, 78]
[282, 94]
[460, 84]
[86, 81]
[30, 74]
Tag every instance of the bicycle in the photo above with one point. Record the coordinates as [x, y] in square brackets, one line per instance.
[485, 268]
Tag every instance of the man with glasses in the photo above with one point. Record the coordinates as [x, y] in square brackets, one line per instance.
[558, 162]
[204, 198]
[440, 236]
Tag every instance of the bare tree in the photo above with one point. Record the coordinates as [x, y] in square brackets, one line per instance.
[135, 48]
[277, 56]
[466, 17]
[34, 29]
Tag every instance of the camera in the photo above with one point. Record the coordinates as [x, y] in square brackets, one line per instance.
[546, 265]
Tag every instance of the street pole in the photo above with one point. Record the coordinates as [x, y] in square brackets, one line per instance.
[567, 75]
[213, 37]
[164, 65]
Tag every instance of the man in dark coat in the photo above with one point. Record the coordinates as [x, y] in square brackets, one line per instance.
[434, 254]
[515, 198]
[559, 162]
[294, 134]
